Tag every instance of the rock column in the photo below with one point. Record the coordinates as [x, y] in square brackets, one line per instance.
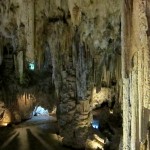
[71, 82]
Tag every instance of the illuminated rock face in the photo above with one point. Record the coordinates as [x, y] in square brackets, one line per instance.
[81, 43]
[5, 115]
[135, 74]
[78, 44]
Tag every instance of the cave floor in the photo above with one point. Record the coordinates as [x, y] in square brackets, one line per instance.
[37, 133]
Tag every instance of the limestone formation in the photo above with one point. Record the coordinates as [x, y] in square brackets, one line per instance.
[74, 55]
[135, 73]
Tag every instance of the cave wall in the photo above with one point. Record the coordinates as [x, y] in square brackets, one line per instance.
[135, 74]
[78, 43]
[21, 89]
[80, 40]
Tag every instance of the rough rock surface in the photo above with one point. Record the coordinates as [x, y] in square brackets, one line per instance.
[75, 47]
[136, 74]
[79, 39]
[105, 95]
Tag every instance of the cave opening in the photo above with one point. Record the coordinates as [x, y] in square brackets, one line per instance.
[38, 110]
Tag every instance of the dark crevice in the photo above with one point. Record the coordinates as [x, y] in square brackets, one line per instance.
[148, 16]
[58, 19]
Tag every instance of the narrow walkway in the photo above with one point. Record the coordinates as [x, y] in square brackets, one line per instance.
[35, 134]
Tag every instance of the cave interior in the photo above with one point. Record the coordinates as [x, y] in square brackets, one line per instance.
[74, 74]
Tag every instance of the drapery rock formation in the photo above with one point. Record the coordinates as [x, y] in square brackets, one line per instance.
[136, 74]
[74, 48]
[83, 44]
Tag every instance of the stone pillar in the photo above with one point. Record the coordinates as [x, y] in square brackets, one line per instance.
[72, 86]
[20, 51]
[74, 116]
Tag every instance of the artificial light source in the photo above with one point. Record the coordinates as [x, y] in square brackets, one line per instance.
[6, 119]
[31, 66]
[4, 124]
[40, 111]
[95, 124]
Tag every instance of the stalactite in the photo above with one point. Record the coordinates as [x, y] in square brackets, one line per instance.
[29, 29]
[71, 32]
[75, 12]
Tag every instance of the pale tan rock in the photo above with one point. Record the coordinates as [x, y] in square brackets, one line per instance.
[83, 39]
[135, 72]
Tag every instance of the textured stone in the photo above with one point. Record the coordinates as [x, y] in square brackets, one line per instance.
[80, 41]
[76, 34]
[135, 73]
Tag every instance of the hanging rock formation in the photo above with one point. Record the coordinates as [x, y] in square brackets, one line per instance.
[75, 48]
[82, 39]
